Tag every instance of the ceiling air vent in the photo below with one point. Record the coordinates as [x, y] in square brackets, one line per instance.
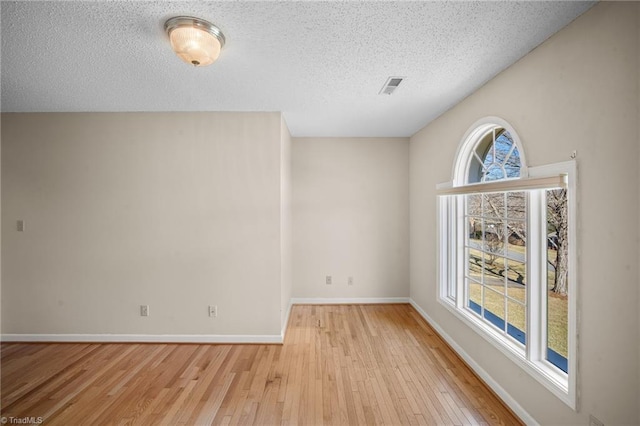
[391, 85]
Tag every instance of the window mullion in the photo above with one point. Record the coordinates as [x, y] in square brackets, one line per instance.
[536, 309]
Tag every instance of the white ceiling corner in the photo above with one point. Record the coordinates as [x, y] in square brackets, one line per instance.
[321, 63]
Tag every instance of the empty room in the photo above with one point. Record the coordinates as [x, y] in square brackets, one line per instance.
[320, 212]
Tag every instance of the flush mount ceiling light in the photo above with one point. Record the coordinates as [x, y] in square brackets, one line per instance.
[195, 41]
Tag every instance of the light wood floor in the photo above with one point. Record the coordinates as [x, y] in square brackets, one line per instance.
[340, 364]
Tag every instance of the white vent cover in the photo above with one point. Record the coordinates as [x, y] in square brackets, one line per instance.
[391, 85]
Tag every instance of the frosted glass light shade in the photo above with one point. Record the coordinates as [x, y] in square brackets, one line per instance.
[195, 41]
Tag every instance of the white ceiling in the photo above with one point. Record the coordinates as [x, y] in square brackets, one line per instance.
[321, 63]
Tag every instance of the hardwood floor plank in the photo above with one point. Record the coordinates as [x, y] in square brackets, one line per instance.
[339, 365]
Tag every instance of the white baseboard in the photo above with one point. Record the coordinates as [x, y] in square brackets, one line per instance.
[499, 390]
[346, 300]
[143, 338]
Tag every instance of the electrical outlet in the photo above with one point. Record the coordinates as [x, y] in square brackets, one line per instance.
[144, 310]
[213, 311]
[20, 225]
[350, 281]
[328, 280]
[594, 422]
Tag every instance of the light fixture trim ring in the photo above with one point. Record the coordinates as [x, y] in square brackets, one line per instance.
[190, 21]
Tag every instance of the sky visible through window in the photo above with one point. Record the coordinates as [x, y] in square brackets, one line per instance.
[502, 160]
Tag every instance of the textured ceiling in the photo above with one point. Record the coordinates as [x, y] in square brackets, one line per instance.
[321, 63]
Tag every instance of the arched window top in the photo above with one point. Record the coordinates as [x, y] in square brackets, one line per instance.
[490, 151]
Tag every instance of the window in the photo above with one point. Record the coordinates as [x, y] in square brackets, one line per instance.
[507, 253]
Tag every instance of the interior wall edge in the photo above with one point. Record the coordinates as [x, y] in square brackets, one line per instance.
[285, 322]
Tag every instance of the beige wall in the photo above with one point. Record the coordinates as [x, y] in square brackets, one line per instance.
[577, 91]
[0, 227]
[174, 210]
[351, 217]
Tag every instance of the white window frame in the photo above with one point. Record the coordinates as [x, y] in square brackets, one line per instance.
[451, 288]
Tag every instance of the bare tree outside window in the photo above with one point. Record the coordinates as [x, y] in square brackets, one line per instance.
[558, 226]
